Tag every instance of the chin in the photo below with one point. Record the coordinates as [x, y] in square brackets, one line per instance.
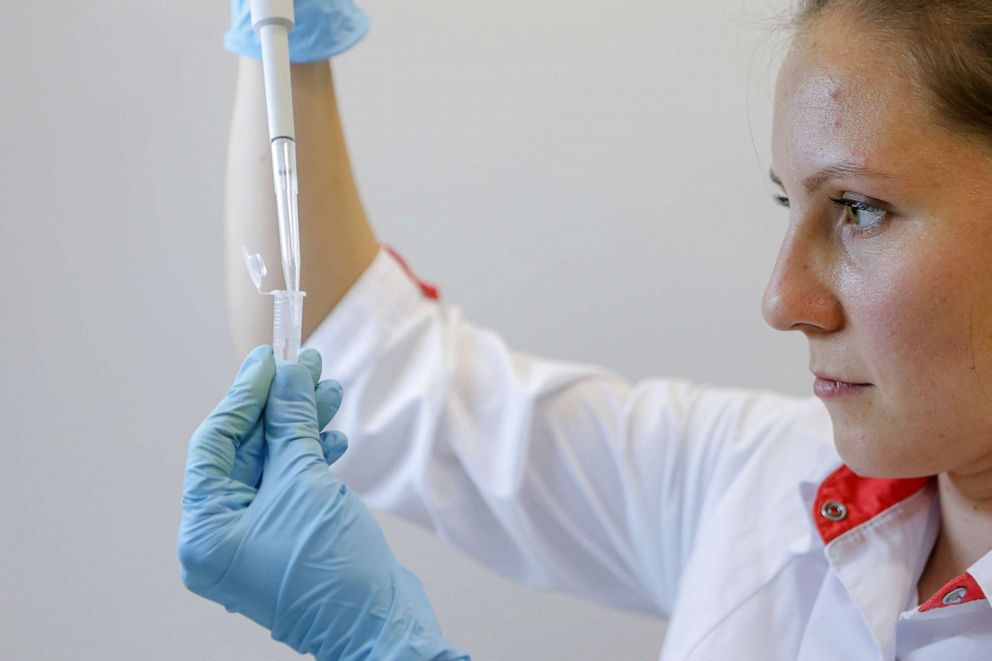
[870, 455]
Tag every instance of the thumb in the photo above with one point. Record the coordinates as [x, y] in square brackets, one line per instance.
[214, 445]
[291, 432]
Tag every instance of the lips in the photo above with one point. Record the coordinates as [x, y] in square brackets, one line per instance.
[828, 388]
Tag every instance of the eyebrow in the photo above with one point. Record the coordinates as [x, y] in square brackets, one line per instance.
[844, 169]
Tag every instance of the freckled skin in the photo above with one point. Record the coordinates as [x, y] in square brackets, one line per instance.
[907, 308]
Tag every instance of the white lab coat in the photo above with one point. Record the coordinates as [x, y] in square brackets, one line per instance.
[692, 502]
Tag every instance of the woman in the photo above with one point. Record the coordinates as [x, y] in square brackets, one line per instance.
[764, 526]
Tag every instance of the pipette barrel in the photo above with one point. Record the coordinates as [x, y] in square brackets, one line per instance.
[273, 19]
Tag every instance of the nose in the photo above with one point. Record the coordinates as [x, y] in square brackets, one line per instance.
[800, 293]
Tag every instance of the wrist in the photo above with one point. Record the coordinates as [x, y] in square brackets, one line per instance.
[396, 622]
[324, 28]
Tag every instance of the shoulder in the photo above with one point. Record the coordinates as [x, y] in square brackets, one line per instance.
[771, 436]
[771, 444]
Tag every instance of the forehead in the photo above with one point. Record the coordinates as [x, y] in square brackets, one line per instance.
[846, 93]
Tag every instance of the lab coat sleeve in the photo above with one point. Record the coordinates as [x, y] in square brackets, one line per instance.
[554, 474]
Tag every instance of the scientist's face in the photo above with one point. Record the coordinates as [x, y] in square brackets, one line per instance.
[886, 266]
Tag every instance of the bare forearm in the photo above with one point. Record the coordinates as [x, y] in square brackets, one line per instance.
[336, 241]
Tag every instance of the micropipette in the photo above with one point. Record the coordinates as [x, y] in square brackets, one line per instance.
[272, 20]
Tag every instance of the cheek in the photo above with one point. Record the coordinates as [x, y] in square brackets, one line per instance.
[922, 330]
[915, 326]
[915, 303]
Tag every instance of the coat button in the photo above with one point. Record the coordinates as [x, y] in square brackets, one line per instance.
[955, 596]
[833, 511]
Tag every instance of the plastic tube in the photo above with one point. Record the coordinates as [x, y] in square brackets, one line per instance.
[287, 322]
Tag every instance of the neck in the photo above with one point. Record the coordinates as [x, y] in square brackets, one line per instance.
[965, 527]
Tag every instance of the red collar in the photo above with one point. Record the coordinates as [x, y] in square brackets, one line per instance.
[427, 289]
[845, 500]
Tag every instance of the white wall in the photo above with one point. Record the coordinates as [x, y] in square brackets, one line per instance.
[589, 178]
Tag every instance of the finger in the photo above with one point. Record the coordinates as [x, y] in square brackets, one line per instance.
[243, 404]
[250, 456]
[291, 434]
[205, 544]
[214, 444]
[310, 358]
[328, 398]
[334, 444]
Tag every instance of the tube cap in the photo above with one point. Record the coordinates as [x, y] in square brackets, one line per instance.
[256, 267]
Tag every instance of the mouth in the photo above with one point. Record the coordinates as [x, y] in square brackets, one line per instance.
[827, 387]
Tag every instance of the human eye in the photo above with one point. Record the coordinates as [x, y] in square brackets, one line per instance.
[781, 200]
[864, 217]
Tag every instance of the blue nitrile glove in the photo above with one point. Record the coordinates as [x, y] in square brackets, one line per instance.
[268, 532]
[324, 28]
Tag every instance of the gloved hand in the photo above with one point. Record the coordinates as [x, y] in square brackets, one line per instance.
[324, 28]
[268, 532]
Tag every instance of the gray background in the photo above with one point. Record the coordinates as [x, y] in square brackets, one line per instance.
[589, 178]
